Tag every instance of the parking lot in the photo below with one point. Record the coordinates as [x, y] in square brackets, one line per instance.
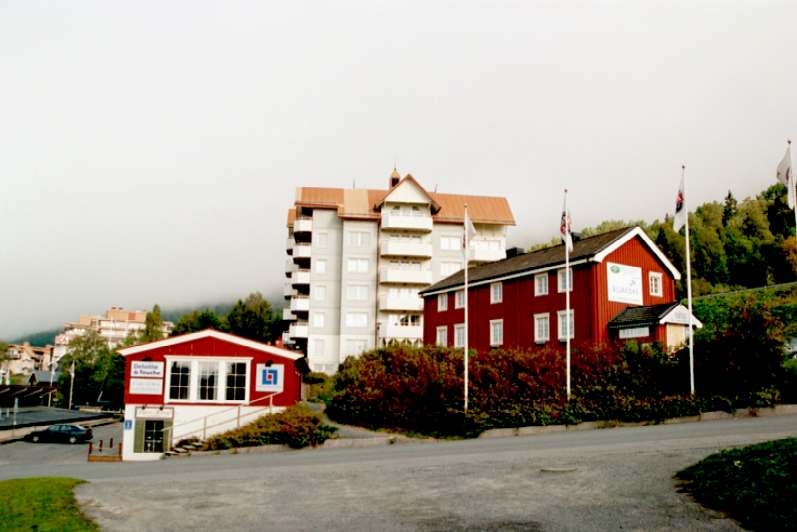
[22, 452]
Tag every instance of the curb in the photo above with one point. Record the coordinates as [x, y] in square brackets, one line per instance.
[777, 410]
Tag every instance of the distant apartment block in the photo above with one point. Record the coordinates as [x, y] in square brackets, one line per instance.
[358, 257]
[115, 325]
[24, 359]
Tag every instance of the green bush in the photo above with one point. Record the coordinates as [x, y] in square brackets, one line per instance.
[757, 485]
[296, 427]
[319, 387]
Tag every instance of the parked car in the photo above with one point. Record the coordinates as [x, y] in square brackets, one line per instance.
[61, 434]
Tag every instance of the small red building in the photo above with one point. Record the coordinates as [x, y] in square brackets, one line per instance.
[520, 301]
[200, 384]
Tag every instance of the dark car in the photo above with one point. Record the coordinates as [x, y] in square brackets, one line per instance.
[61, 434]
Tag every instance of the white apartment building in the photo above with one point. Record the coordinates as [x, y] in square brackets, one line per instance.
[358, 257]
[114, 326]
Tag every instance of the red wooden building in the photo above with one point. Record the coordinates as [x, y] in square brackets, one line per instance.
[200, 384]
[520, 301]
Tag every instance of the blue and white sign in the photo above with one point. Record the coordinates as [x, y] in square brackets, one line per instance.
[270, 378]
[625, 283]
[128, 424]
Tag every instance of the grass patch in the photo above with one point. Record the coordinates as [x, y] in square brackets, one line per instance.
[756, 485]
[46, 503]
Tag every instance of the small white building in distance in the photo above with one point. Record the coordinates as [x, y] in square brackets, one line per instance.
[114, 326]
[357, 258]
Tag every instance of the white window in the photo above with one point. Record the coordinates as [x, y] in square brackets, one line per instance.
[236, 377]
[562, 324]
[542, 328]
[449, 268]
[442, 302]
[180, 379]
[496, 292]
[320, 240]
[564, 283]
[357, 265]
[654, 284]
[208, 380]
[634, 332]
[541, 284]
[459, 299]
[320, 265]
[496, 332]
[459, 335]
[318, 347]
[450, 243]
[355, 292]
[356, 319]
[319, 292]
[358, 238]
[318, 319]
[442, 336]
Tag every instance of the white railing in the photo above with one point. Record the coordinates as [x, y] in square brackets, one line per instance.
[301, 251]
[388, 274]
[302, 225]
[405, 248]
[390, 302]
[233, 414]
[400, 221]
[300, 277]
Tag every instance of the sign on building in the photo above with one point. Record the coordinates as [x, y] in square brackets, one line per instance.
[145, 368]
[146, 386]
[270, 378]
[625, 283]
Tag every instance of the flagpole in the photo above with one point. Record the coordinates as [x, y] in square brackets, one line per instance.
[569, 279]
[467, 256]
[790, 183]
[689, 289]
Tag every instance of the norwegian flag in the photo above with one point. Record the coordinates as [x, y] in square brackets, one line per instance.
[786, 176]
[679, 220]
[565, 227]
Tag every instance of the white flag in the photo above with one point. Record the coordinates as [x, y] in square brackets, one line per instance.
[470, 232]
[785, 175]
[679, 220]
[565, 227]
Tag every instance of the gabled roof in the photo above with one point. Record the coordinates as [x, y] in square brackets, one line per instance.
[652, 315]
[594, 248]
[408, 179]
[210, 333]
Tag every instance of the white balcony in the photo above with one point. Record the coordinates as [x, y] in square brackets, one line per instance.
[301, 251]
[300, 304]
[396, 275]
[286, 338]
[392, 302]
[287, 314]
[403, 332]
[405, 247]
[289, 266]
[486, 251]
[400, 221]
[299, 329]
[300, 277]
[287, 290]
[289, 243]
[302, 225]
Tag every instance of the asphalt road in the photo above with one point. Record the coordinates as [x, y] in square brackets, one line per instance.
[600, 480]
[22, 454]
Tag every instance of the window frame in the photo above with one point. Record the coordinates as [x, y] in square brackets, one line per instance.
[537, 291]
[320, 266]
[493, 341]
[459, 302]
[194, 380]
[559, 276]
[560, 324]
[660, 280]
[500, 298]
[350, 314]
[441, 329]
[442, 302]
[547, 317]
[459, 328]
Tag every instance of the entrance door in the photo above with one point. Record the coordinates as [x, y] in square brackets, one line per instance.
[153, 436]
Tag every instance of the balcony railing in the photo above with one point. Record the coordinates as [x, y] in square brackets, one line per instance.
[289, 243]
[403, 332]
[301, 251]
[396, 275]
[485, 252]
[288, 291]
[300, 277]
[286, 338]
[392, 302]
[287, 314]
[300, 304]
[401, 221]
[299, 329]
[405, 248]
[302, 225]
[290, 266]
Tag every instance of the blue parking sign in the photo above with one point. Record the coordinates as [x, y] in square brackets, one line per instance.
[128, 424]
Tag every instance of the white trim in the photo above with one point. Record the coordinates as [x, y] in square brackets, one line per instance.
[500, 298]
[665, 319]
[193, 379]
[547, 282]
[493, 343]
[459, 327]
[210, 333]
[568, 276]
[524, 273]
[437, 331]
[444, 306]
[637, 231]
[559, 324]
[547, 316]
[457, 304]
[660, 277]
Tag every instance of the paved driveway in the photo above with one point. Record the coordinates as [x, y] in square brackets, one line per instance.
[622, 480]
[21, 454]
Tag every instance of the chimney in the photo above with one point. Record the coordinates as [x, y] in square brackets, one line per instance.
[395, 177]
[514, 252]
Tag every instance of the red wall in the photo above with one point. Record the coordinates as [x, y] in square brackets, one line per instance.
[592, 310]
[213, 347]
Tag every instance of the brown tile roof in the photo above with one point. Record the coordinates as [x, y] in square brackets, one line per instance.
[582, 249]
[349, 203]
[291, 216]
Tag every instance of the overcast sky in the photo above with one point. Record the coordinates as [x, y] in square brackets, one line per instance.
[149, 150]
